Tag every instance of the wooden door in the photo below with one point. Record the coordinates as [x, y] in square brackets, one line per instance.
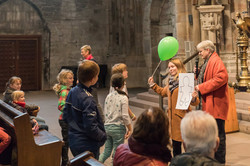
[20, 56]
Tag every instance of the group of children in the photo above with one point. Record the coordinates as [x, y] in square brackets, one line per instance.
[80, 119]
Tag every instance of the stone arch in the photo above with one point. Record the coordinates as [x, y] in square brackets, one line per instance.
[25, 18]
[158, 22]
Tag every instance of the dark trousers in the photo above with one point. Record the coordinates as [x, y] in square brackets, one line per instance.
[220, 155]
[65, 148]
[176, 147]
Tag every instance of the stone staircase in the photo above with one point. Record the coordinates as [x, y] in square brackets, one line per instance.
[242, 99]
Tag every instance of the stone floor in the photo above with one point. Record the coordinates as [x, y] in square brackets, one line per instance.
[238, 144]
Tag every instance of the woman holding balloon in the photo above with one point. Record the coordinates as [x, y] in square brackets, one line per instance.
[175, 67]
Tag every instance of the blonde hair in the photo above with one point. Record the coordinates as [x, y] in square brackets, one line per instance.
[86, 48]
[12, 80]
[62, 79]
[180, 66]
[118, 68]
[17, 94]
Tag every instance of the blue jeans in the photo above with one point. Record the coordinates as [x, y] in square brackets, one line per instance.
[115, 137]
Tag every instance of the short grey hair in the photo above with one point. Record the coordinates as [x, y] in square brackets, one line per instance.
[86, 48]
[206, 44]
[199, 132]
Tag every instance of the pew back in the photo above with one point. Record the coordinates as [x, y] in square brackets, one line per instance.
[39, 150]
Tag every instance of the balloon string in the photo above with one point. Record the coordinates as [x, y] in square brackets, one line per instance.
[156, 68]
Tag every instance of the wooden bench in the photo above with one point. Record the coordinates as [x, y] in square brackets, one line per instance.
[43, 149]
[85, 159]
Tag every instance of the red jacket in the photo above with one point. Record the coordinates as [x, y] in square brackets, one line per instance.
[4, 140]
[214, 89]
[137, 154]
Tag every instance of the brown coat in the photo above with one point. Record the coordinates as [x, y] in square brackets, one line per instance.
[175, 115]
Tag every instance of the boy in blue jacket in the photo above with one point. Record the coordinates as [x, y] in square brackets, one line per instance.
[86, 128]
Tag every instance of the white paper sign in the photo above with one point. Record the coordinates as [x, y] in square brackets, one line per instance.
[186, 88]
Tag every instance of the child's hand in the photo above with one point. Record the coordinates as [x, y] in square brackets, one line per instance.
[134, 118]
[127, 135]
[35, 129]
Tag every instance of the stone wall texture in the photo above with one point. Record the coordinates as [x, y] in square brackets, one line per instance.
[119, 31]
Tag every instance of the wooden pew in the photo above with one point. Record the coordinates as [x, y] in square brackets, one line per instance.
[43, 149]
[85, 159]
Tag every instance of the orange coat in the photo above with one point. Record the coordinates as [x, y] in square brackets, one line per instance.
[214, 89]
[175, 115]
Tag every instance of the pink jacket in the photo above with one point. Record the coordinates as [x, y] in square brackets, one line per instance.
[214, 89]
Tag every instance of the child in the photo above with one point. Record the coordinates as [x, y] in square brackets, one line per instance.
[19, 99]
[86, 129]
[18, 102]
[122, 68]
[5, 147]
[13, 84]
[65, 80]
[116, 117]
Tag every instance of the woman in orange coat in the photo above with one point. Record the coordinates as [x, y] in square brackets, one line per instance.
[175, 67]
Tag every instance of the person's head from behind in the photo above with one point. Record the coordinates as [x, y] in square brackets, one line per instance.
[88, 72]
[205, 48]
[152, 127]
[120, 68]
[18, 96]
[200, 133]
[14, 83]
[117, 81]
[175, 67]
[65, 77]
[85, 51]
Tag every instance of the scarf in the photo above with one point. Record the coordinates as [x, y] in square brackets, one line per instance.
[22, 104]
[89, 57]
[202, 71]
[173, 83]
[155, 151]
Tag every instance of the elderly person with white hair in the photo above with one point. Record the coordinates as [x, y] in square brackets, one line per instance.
[200, 139]
[213, 88]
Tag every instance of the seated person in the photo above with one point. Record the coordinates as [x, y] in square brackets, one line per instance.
[19, 99]
[12, 85]
[200, 139]
[18, 102]
[148, 143]
[5, 147]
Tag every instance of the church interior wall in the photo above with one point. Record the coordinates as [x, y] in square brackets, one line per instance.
[118, 32]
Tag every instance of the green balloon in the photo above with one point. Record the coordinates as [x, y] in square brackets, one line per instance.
[167, 48]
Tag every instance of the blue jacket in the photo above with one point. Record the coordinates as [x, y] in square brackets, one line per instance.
[86, 129]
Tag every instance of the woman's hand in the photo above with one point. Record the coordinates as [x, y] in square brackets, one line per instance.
[151, 81]
[194, 96]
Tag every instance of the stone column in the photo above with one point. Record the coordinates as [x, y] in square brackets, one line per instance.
[211, 21]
